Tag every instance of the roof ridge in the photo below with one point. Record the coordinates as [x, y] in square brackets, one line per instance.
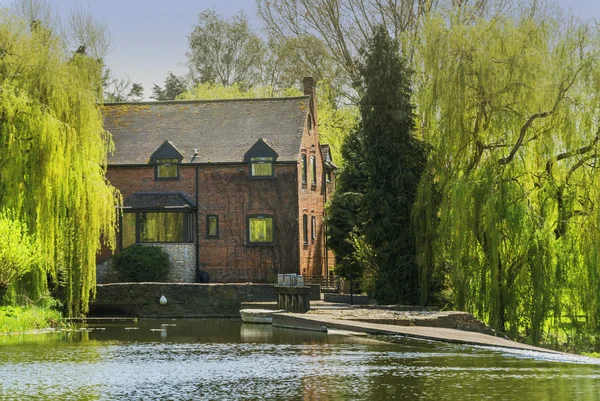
[197, 101]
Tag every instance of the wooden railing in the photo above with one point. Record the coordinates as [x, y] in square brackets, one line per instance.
[330, 282]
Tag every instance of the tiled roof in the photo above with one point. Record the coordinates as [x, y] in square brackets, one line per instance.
[159, 200]
[221, 130]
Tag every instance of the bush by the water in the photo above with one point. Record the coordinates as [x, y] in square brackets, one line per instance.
[18, 253]
[139, 263]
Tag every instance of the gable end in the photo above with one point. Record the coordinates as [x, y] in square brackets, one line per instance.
[166, 151]
[260, 149]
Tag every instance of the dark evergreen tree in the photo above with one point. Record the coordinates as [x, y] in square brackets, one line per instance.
[343, 210]
[394, 162]
[174, 86]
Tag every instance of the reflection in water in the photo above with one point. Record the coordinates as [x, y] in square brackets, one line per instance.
[225, 359]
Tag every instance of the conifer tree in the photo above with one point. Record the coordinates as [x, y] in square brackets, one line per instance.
[394, 162]
[343, 210]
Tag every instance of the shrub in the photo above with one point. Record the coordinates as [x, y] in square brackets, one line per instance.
[18, 253]
[142, 263]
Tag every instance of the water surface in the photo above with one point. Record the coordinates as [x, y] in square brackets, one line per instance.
[226, 359]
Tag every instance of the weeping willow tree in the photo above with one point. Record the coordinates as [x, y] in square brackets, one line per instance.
[52, 158]
[510, 206]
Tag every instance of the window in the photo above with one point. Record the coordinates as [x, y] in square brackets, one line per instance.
[304, 169]
[313, 166]
[161, 227]
[167, 169]
[128, 236]
[261, 167]
[156, 227]
[328, 176]
[212, 226]
[314, 227]
[305, 229]
[260, 229]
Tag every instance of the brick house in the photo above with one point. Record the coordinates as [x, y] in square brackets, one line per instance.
[233, 189]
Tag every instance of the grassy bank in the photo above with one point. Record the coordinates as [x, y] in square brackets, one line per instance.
[19, 319]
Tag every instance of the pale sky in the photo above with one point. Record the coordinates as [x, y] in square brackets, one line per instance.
[150, 36]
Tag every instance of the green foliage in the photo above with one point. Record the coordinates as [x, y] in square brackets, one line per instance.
[174, 86]
[508, 208]
[394, 161]
[54, 149]
[140, 263]
[18, 254]
[343, 215]
[225, 51]
[19, 319]
[120, 89]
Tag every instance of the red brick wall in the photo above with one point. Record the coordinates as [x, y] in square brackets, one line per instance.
[311, 200]
[228, 192]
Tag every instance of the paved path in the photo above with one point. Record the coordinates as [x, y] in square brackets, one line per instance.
[316, 322]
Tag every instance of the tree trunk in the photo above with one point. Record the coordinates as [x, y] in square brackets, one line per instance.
[3, 289]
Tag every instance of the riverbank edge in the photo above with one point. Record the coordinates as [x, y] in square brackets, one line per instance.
[29, 320]
[323, 323]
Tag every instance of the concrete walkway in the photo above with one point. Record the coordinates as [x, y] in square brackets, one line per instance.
[324, 322]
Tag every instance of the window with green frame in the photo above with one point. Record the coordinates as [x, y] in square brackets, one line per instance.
[304, 169]
[260, 229]
[167, 169]
[156, 227]
[313, 166]
[305, 229]
[261, 166]
[212, 226]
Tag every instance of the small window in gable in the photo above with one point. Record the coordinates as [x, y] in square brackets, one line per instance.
[305, 229]
[261, 166]
[167, 169]
[166, 160]
[261, 159]
[304, 169]
[313, 166]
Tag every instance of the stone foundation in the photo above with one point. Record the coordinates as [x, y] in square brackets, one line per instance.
[183, 300]
[183, 265]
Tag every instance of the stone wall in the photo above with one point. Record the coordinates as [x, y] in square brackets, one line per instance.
[183, 300]
[183, 262]
[183, 265]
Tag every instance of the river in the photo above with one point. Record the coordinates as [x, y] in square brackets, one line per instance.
[226, 359]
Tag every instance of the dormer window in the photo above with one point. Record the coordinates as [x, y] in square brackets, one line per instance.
[166, 160]
[167, 169]
[261, 159]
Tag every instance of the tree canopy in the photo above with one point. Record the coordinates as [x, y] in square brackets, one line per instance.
[225, 51]
[174, 86]
[373, 204]
[54, 149]
[510, 106]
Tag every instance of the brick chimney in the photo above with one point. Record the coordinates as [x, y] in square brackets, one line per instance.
[309, 85]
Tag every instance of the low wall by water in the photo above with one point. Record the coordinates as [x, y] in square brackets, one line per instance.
[183, 299]
[345, 298]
